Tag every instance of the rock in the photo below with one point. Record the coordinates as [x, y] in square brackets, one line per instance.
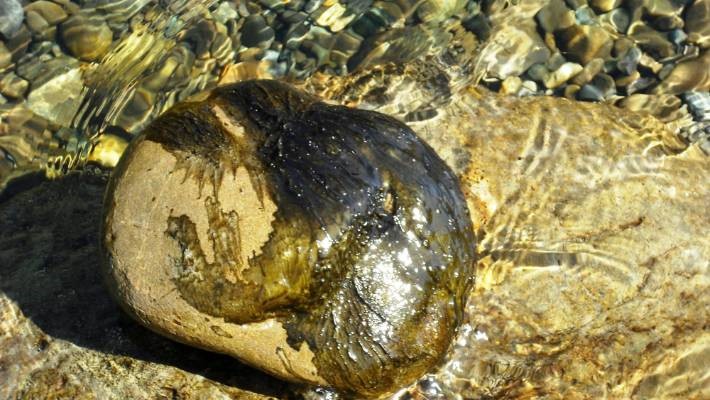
[689, 75]
[664, 107]
[570, 91]
[511, 85]
[11, 15]
[665, 71]
[616, 169]
[641, 84]
[38, 71]
[554, 16]
[13, 86]
[512, 50]
[52, 13]
[590, 70]
[224, 12]
[677, 37]
[589, 92]
[19, 42]
[5, 56]
[698, 105]
[35, 22]
[479, 25]
[528, 88]
[604, 6]
[585, 16]
[668, 23]
[651, 41]
[336, 18]
[87, 38]
[697, 17]
[58, 99]
[562, 75]
[626, 80]
[662, 8]
[437, 10]
[650, 63]
[575, 4]
[256, 33]
[629, 61]
[239, 222]
[555, 61]
[581, 44]
[538, 72]
[618, 19]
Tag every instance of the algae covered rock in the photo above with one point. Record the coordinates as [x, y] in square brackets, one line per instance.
[319, 243]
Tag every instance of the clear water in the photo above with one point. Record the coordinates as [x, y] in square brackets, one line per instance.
[594, 257]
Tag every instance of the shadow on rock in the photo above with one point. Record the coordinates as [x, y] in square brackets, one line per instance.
[49, 266]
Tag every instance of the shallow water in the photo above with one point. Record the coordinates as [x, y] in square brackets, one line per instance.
[592, 219]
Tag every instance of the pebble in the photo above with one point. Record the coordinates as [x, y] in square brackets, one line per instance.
[582, 43]
[511, 85]
[555, 61]
[651, 41]
[225, 12]
[618, 19]
[479, 25]
[668, 23]
[698, 104]
[562, 75]
[11, 15]
[5, 56]
[87, 38]
[516, 49]
[58, 99]
[256, 33]
[628, 63]
[689, 75]
[13, 86]
[39, 72]
[50, 12]
[589, 92]
[590, 70]
[571, 91]
[19, 42]
[603, 6]
[585, 16]
[538, 72]
[626, 80]
[697, 23]
[528, 88]
[554, 16]
[641, 84]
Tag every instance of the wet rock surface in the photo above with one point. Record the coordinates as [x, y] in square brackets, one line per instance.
[333, 256]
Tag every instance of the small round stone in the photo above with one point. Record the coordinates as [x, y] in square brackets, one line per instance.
[86, 38]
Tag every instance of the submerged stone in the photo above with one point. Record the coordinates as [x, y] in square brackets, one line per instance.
[322, 244]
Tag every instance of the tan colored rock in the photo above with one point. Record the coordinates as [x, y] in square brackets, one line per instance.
[594, 265]
[49, 11]
[561, 75]
[147, 289]
[689, 75]
[87, 38]
[697, 18]
[583, 43]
